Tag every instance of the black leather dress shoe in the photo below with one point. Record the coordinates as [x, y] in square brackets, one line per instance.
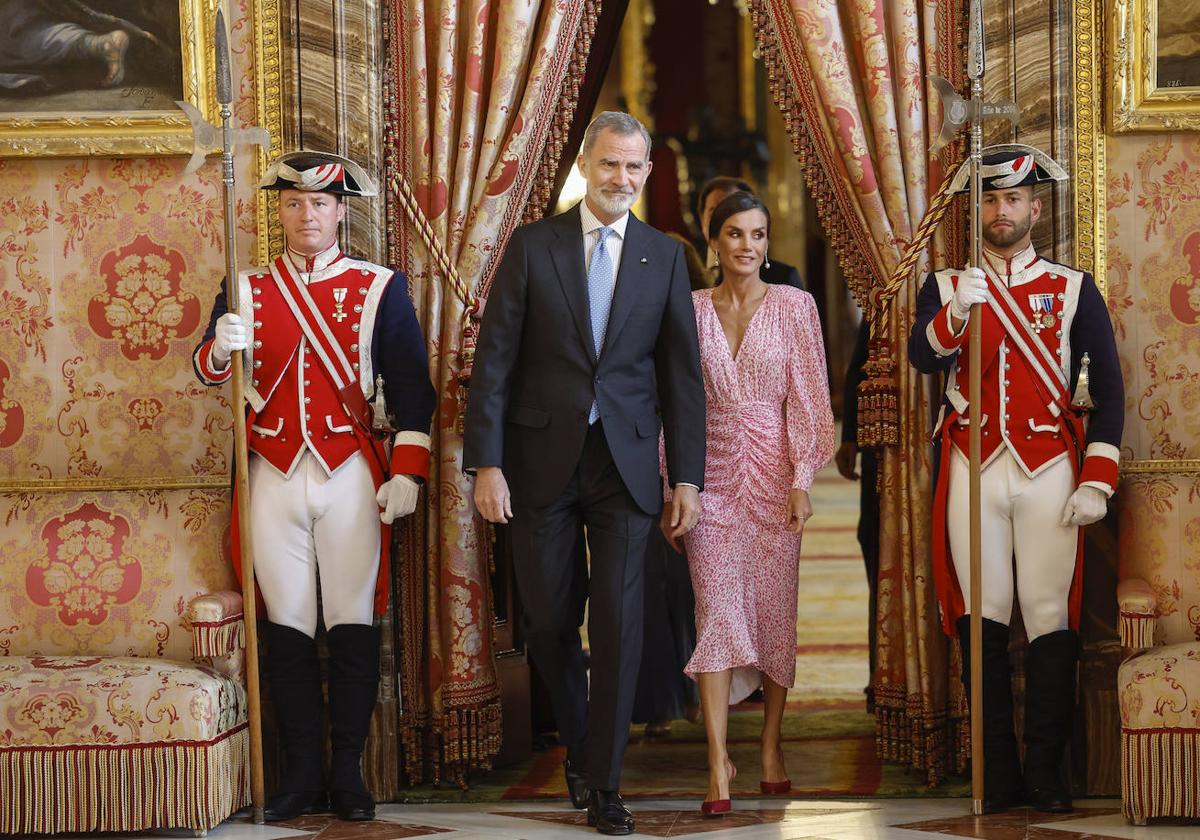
[608, 814]
[352, 807]
[1050, 799]
[1001, 802]
[576, 785]
[287, 805]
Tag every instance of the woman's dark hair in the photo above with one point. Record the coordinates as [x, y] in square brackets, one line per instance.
[731, 205]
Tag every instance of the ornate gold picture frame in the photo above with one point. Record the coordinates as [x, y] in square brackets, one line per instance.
[101, 78]
[1153, 65]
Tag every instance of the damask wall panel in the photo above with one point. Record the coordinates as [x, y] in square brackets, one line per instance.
[1154, 290]
[109, 573]
[108, 268]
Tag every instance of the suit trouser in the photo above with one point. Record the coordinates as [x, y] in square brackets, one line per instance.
[1019, 517]
[544, 554]
[312, 521]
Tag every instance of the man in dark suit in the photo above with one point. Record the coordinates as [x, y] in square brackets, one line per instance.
[588, 344]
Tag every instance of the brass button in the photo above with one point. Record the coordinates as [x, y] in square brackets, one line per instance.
[258, 304]
[257, 345]
[363, 290]
[353, 348]
[354, 327]
[258, 325]
[358, 307]
[258, 363]
[307, 383]
[307, 400]
[354, 365]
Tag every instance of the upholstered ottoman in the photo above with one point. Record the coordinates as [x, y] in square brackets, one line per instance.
[1159, 692]
[110, 743]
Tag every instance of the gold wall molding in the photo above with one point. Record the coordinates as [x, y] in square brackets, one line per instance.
[1090, 174]
[1136, 102]
[1161, 467]
[268, 80]
[92, 484]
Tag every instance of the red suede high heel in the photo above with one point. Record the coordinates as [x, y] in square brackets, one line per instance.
[719, 807]
[775, 788]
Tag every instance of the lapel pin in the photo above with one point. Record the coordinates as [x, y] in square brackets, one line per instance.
[643, 261]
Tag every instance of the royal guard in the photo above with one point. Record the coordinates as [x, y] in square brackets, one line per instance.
[1051, 417]
[339, 407]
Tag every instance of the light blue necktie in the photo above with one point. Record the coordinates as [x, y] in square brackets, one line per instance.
[600, 294]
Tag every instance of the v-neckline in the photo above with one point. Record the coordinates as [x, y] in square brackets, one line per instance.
[733, 357]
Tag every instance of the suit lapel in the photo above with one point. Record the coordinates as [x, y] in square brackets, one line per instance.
[567, 254]
[630, 277]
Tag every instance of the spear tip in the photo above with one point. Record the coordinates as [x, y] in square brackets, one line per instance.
[224, 75]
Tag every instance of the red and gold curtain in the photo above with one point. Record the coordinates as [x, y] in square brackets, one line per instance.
[850, 78]
[481, 99]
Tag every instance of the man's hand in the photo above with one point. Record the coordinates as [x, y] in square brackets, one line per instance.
[680, 515]
[491, 495]
[1086, 505]
[799, 509]
[231, 335]
[970, 290]
[845, 458]
[398, 497]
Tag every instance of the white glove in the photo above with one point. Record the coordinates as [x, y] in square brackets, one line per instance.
[1087, 505]
[971, 289]
[231, 335]
[397, 497]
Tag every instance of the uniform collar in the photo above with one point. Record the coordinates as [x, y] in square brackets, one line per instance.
[316, 263]
[1015, 271]
[590, 223]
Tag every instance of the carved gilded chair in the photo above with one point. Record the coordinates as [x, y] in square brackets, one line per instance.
[122, 705]
[1158, 684]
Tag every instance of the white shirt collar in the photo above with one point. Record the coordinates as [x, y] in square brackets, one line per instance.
[591, 223]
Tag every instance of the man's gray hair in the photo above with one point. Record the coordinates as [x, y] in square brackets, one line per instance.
[620, 122]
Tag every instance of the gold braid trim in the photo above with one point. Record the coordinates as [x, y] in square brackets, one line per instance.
[878, 392]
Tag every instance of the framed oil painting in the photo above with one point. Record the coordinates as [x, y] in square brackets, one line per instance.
[1154, 65]
[101, 77]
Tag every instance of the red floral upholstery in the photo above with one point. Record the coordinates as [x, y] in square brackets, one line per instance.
[121, 701]
[1158, 686]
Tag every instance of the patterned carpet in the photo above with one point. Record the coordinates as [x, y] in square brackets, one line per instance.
[829, 737]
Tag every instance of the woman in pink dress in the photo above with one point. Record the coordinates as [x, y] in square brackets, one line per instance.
[769, 430]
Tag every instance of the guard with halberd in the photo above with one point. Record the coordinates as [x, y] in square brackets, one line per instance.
[339, 408]
[1051, 419]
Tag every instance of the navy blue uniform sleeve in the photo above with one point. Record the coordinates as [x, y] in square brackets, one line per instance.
[921, 353]
[1092, 333]
[854, 375]
[399, 356]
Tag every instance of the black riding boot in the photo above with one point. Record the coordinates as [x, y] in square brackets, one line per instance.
[295, 679]
[353, 687]
[1001, 762]
[1049, 712]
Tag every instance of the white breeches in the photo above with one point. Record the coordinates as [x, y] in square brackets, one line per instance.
[314, 522]
[1019, 516]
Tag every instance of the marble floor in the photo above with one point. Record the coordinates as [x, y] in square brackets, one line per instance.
[901, 819]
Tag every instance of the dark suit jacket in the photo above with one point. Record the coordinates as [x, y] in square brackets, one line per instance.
[535, 373]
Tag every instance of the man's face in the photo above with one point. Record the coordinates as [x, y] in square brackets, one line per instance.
[710, 204]
[1008, 215]
[615, 168]
[310, 220]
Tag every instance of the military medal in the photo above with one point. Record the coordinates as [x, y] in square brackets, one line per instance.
[339, 297]
[1043, 311]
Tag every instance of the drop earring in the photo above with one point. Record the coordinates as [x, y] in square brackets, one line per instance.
[766, 260]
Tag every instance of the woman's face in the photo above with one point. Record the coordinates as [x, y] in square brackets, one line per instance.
[741, 244]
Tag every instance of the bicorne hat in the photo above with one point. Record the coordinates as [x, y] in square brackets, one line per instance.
[318, 172]
[1010, 165]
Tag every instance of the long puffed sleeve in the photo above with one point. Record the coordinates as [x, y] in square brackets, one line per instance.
[810, 431]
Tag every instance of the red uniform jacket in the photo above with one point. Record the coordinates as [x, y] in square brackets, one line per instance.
[293, 404]
[1065, 310]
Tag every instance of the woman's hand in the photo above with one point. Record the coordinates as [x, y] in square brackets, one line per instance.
[799, 509]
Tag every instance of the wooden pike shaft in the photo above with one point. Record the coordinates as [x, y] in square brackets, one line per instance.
[241, 467]
[975, 448]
